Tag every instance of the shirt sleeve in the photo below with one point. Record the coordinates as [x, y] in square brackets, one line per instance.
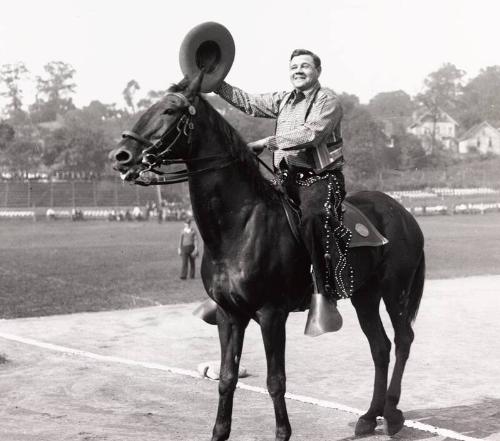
[325, 114]
[264, 105]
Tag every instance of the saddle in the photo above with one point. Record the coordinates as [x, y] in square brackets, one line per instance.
[364, 233]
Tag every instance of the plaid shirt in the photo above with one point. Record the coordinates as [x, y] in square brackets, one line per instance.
[304, 120]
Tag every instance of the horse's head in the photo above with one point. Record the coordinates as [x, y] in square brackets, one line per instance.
[161, 134]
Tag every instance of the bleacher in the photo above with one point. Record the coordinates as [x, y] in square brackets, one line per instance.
[449, 200]
[440, 192]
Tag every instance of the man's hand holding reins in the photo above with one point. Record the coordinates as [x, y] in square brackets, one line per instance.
[258, 146]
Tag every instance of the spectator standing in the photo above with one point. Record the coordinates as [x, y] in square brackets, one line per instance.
[188, 249]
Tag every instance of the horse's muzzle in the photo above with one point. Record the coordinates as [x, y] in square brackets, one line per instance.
[121, 156]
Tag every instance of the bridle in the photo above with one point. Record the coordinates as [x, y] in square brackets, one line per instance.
[156, 154]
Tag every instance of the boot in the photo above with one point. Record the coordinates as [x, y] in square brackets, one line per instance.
[207, 311]
[323, 316]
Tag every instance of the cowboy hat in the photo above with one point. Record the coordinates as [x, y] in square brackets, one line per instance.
[210, 46]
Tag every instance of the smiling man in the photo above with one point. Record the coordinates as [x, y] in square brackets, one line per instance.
[307, 155]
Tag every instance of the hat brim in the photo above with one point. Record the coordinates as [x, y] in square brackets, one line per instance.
[208, 45]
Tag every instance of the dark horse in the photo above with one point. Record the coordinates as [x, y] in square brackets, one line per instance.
[254, 268]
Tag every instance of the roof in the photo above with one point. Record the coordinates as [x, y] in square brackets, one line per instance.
[474, 129]
[442, 115]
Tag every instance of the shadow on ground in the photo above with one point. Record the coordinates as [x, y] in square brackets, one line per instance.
[478, 420]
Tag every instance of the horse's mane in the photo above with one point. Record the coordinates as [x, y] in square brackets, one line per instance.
[238, 149]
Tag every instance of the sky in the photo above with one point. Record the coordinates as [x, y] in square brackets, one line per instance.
[366, 46]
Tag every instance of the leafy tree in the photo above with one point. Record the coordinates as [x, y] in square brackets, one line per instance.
[391, 104]
[365, 142]
[22, 154]
[349, 103]
[10, 76]
[77, 147]
[407, 152]
[442, 92]
[7, 134]
[481, 98]
[151, 97]
[82, 144]
[54, 92]
[129, 93]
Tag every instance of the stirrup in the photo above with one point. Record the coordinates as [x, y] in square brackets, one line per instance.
[323, 316]
[207, 311]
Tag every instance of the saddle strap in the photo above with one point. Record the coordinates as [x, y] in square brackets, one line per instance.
[293, 218]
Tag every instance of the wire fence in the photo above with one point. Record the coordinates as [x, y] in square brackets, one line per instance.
[97, 193]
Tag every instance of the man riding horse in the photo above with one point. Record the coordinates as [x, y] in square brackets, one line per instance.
[248, 270]
[308, 159]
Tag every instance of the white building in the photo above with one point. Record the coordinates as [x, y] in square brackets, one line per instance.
[482, 138]
[445, 128]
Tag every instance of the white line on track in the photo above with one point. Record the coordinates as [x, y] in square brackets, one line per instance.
[188, 373]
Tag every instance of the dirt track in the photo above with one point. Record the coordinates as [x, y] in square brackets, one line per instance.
[451, 380]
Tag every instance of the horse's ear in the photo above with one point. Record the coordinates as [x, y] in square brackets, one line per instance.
[195, 85]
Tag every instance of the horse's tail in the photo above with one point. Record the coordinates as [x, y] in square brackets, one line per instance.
[416, 290]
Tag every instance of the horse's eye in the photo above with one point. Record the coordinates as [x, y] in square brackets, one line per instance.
[169, 112]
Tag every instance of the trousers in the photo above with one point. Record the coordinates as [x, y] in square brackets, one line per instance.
[187, 261]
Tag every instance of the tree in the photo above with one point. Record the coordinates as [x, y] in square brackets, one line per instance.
[22, 154]
[365, 142]
[391, 104]
[77, 147]
[7, 134]
[151, 97]
[10, 76]
[407, 152]
[54, 92]
[129, 92]
[442, 92]
[481, 98]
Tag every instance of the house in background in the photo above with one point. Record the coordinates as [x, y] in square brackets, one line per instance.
[482, 138]
[445, 129]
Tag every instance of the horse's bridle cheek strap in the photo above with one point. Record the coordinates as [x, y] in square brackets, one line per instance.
[154, 152]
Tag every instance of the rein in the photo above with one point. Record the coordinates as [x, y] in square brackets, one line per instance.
[153, 160]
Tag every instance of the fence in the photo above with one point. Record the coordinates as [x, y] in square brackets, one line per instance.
[27, 199]
[103, 193]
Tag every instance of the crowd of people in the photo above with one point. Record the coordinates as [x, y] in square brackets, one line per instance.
[166, 211]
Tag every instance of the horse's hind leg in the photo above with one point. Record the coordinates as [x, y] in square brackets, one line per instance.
[402, 303]
[403, 338]
[367, 309]
[231, 334]
[272, 323]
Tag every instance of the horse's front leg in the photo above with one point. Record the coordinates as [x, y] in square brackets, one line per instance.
[231, 333]
[272, 323]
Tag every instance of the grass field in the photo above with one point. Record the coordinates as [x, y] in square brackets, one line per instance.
[65, 267]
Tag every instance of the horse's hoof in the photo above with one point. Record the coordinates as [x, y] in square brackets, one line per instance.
[365, 426]
[394, 423]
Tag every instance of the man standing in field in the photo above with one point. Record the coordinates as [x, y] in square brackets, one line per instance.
[188, 249]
